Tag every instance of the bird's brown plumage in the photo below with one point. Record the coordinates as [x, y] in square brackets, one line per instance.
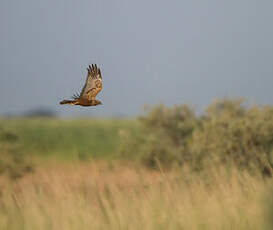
[91, 88]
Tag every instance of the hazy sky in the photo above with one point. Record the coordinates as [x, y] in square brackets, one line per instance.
[172, 52]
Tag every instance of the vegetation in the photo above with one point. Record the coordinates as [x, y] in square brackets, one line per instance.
[208, 171]
[12, 161]
[229, 133]
[44, 138]
[107, 196]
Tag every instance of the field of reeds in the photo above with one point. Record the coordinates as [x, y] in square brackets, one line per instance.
[167, 169]
[113, 196]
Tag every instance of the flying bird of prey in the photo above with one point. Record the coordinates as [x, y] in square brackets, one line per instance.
[92, 87]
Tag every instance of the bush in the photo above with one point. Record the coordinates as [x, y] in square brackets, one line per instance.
[12, 161]
[164, 134]
[227, 133]
[236, 134]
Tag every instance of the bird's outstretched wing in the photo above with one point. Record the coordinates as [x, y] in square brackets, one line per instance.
[93, 84]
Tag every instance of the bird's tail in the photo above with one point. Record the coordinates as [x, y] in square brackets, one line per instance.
[70, 102]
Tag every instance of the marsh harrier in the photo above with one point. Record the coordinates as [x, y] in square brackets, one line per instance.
[92, 87]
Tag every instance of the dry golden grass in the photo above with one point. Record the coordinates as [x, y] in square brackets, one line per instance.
[114, 196]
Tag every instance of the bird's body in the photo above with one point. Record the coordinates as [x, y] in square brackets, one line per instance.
[92, 87]
[82, 102]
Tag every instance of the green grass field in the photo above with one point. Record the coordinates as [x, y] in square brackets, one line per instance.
[67, 139]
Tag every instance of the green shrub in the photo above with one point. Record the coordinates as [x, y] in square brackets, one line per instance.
[228, 132]
[231, 132]
[164, 134]
[12, 161]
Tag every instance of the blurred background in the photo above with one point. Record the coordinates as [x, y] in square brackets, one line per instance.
[169, 52]
[184, 138]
